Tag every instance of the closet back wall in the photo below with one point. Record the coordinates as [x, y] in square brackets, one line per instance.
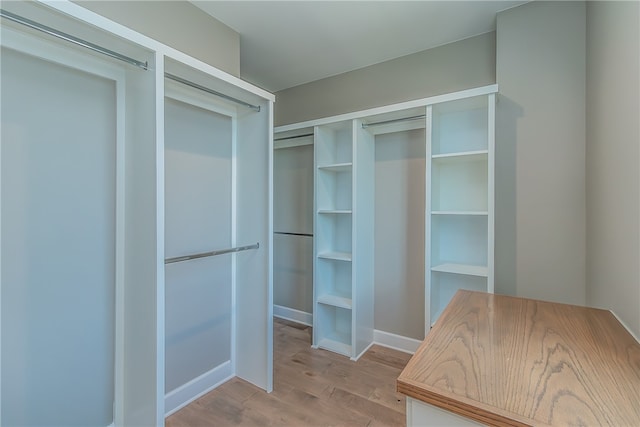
[293, 213]
[399, 233]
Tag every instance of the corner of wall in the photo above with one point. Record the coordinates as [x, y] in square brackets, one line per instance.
[540, 149]
[613, 156]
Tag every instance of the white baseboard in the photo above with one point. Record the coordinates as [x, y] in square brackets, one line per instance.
[396, 342]
[355, 359]
[293, 315]
[187, 393]
[385, 339]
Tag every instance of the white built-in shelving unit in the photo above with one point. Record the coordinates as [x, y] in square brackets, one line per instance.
[343, 171]
[459, 208]
[459, 199]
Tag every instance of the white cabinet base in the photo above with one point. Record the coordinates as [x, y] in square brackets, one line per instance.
[420, 414]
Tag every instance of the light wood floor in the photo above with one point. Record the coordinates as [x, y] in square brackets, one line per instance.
[311, 388]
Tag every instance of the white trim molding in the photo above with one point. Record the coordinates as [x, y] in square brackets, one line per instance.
[381, 338]
[396, 342]
[293, 315]
[187, 393]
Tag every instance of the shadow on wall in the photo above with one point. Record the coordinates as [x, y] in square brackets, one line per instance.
[507, 114]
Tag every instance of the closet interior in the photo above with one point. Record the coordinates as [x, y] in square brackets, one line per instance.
[135, 227]
[403, 215]
[293, 228]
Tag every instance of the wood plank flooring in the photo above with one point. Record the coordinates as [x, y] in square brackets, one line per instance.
[311, 388]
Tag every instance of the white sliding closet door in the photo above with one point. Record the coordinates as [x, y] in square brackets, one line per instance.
[198, 206]
[58, 228]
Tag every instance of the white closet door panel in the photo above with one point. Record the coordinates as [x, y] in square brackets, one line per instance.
[198, 184]
[58, 244]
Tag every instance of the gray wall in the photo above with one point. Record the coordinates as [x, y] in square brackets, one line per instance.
[613, 155]
[540, 151]
[462, 65]
[178, 24]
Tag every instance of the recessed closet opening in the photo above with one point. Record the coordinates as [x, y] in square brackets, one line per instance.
[399, 232]
[293, 226]
[216, 237]
[198, 219]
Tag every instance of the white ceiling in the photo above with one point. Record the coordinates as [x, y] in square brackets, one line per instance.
[288, 43]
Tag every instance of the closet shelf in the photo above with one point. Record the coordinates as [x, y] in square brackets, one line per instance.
[335, 211]
[463, 156]
[335, 301]
[338, 256]
[472, 213]
[336, 344]
[469, 270]
[337, 167]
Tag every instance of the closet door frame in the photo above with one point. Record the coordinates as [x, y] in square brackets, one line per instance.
[56, 53]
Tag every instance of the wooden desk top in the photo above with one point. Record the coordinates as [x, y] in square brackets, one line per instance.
[513, 361]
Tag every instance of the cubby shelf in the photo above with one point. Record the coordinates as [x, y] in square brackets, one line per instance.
[337, 256]
[337, 344]
[337, 167]
[335, 211]
[335, 300]
[469, 270]
[477, 155]
[471, 213]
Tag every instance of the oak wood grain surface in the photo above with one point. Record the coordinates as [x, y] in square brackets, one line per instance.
[311, 388]
[513, 361]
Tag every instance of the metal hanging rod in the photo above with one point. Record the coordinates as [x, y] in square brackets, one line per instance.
[386, 122]
[284, 138]
[212, 253]
[211, 91]
[72, 39]
[293, 234]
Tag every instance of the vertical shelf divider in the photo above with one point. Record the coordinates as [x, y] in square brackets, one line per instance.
[427, 220]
